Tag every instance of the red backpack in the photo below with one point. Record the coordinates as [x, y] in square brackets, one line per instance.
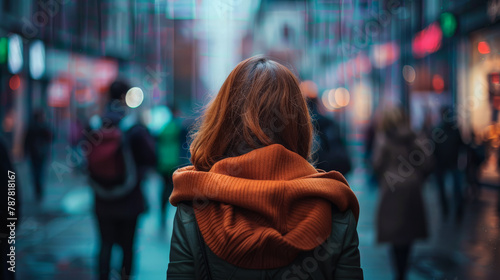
[110, 164]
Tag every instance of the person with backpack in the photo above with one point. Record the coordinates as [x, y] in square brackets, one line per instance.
[252, 206]
[120, 154]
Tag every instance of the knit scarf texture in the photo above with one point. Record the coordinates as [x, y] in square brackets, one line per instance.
[261, 209]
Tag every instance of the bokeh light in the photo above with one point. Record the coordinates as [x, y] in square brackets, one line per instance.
[363, 106]
[134, 97]
[157, 118]
[37, 59]
[328, 99]
[448, 24]
[3, 50]
[342, 97]
[15, 53]
[14, 82]
[483, 47]
[409, 73]
[309, 89]
[427, 41]
[385, 54]
[438, 83]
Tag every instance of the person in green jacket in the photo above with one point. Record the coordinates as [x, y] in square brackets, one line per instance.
[168, 148]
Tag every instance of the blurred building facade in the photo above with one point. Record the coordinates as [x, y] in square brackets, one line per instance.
[62, 54]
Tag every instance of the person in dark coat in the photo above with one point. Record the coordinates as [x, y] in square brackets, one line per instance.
[37, 145]
[446, 153]
[475, 157]
[332, 153]
[401, 168]
[117, 217]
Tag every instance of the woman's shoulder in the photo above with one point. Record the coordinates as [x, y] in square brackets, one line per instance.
[345, 217]
[344, 224]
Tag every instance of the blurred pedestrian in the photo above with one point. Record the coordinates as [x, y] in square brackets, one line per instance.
[370, 133]
[76, 129]
[169, 149]
[402, 168]
[427, 125]
[252, 206]
[370, 138]
[447, 153]
[75, 132]
[476, 155]
[121, 153]
[37, 145]
[332, 152]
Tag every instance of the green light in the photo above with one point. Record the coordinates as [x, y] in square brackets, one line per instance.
[3, 50]
[448, 24]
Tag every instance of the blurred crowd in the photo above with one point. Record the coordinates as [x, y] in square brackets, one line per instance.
[118, 149]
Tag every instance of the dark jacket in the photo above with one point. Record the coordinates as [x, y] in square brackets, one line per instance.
[332, 153]
[448, 150]
[336, 258]
[131, 205]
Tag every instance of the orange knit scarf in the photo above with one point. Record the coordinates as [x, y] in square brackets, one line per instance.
[261, 209]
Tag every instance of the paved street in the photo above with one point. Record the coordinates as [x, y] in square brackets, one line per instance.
[58, 238]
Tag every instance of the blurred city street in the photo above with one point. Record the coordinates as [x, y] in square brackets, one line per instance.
[59, 238]
[102, 100]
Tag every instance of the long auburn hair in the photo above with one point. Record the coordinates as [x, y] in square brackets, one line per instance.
[259, 104]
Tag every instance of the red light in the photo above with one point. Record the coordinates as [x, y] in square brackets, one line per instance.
[495, 78]
[14, 82]
[427, 41]
[483, 47]
[438, 83]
